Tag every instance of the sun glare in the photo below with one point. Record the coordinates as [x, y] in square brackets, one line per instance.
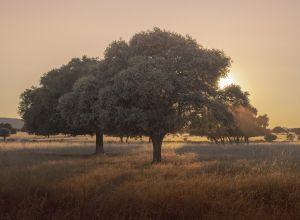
[226, 81]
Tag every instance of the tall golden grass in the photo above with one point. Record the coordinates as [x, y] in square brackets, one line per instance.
[64, 180]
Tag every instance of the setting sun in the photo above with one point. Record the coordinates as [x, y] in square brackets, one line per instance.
[226, 81]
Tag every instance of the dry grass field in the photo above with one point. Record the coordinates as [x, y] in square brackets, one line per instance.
[64, 180]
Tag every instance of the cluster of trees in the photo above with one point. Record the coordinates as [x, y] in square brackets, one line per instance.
[6, 130]
[291, 133]
[237, 125]
[278, 130]
[159, 82]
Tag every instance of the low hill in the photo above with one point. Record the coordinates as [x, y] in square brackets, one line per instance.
[15, 122]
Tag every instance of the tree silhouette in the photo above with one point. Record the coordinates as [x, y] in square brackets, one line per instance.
[237, 125]
[279, 129]
[39, 105]
[166, 79]
[4, 133]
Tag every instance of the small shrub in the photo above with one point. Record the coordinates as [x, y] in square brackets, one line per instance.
[270, 137]
[4, 133]
[290, 137]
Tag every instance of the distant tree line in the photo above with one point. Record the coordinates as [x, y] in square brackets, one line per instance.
[279, 129]
[159, 82]
[291, 133]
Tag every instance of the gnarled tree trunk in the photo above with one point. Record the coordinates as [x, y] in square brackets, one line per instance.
[99, 142]
[157, 139]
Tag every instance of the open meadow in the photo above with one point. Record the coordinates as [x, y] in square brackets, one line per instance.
[149, 110]
[62, 179]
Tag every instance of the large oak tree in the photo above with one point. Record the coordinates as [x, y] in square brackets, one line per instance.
[166, 78]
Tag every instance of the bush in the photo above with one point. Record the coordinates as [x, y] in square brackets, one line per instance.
[4, 133]
[270, 137]
[290, 137]
[297, 131]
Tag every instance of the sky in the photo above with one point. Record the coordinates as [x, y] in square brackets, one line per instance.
[261, 37]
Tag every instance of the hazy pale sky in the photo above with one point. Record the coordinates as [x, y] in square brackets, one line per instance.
[262, 37]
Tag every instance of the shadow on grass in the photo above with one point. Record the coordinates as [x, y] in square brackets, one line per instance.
[260, 152]
[39, 155]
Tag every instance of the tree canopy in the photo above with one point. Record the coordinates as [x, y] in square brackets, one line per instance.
[165, 79]
[9, 127]
[82, 109]
[4, 133]
[39, 105]
[237, 125]
[279, 129]
[6, 130]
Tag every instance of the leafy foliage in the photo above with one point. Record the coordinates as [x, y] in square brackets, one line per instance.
[38, 106]
[4, 133]
[270, 137]
[6, 130]
[9, 127]
[290, 137]
[240, 123]
[279, 130]
[167, 78]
